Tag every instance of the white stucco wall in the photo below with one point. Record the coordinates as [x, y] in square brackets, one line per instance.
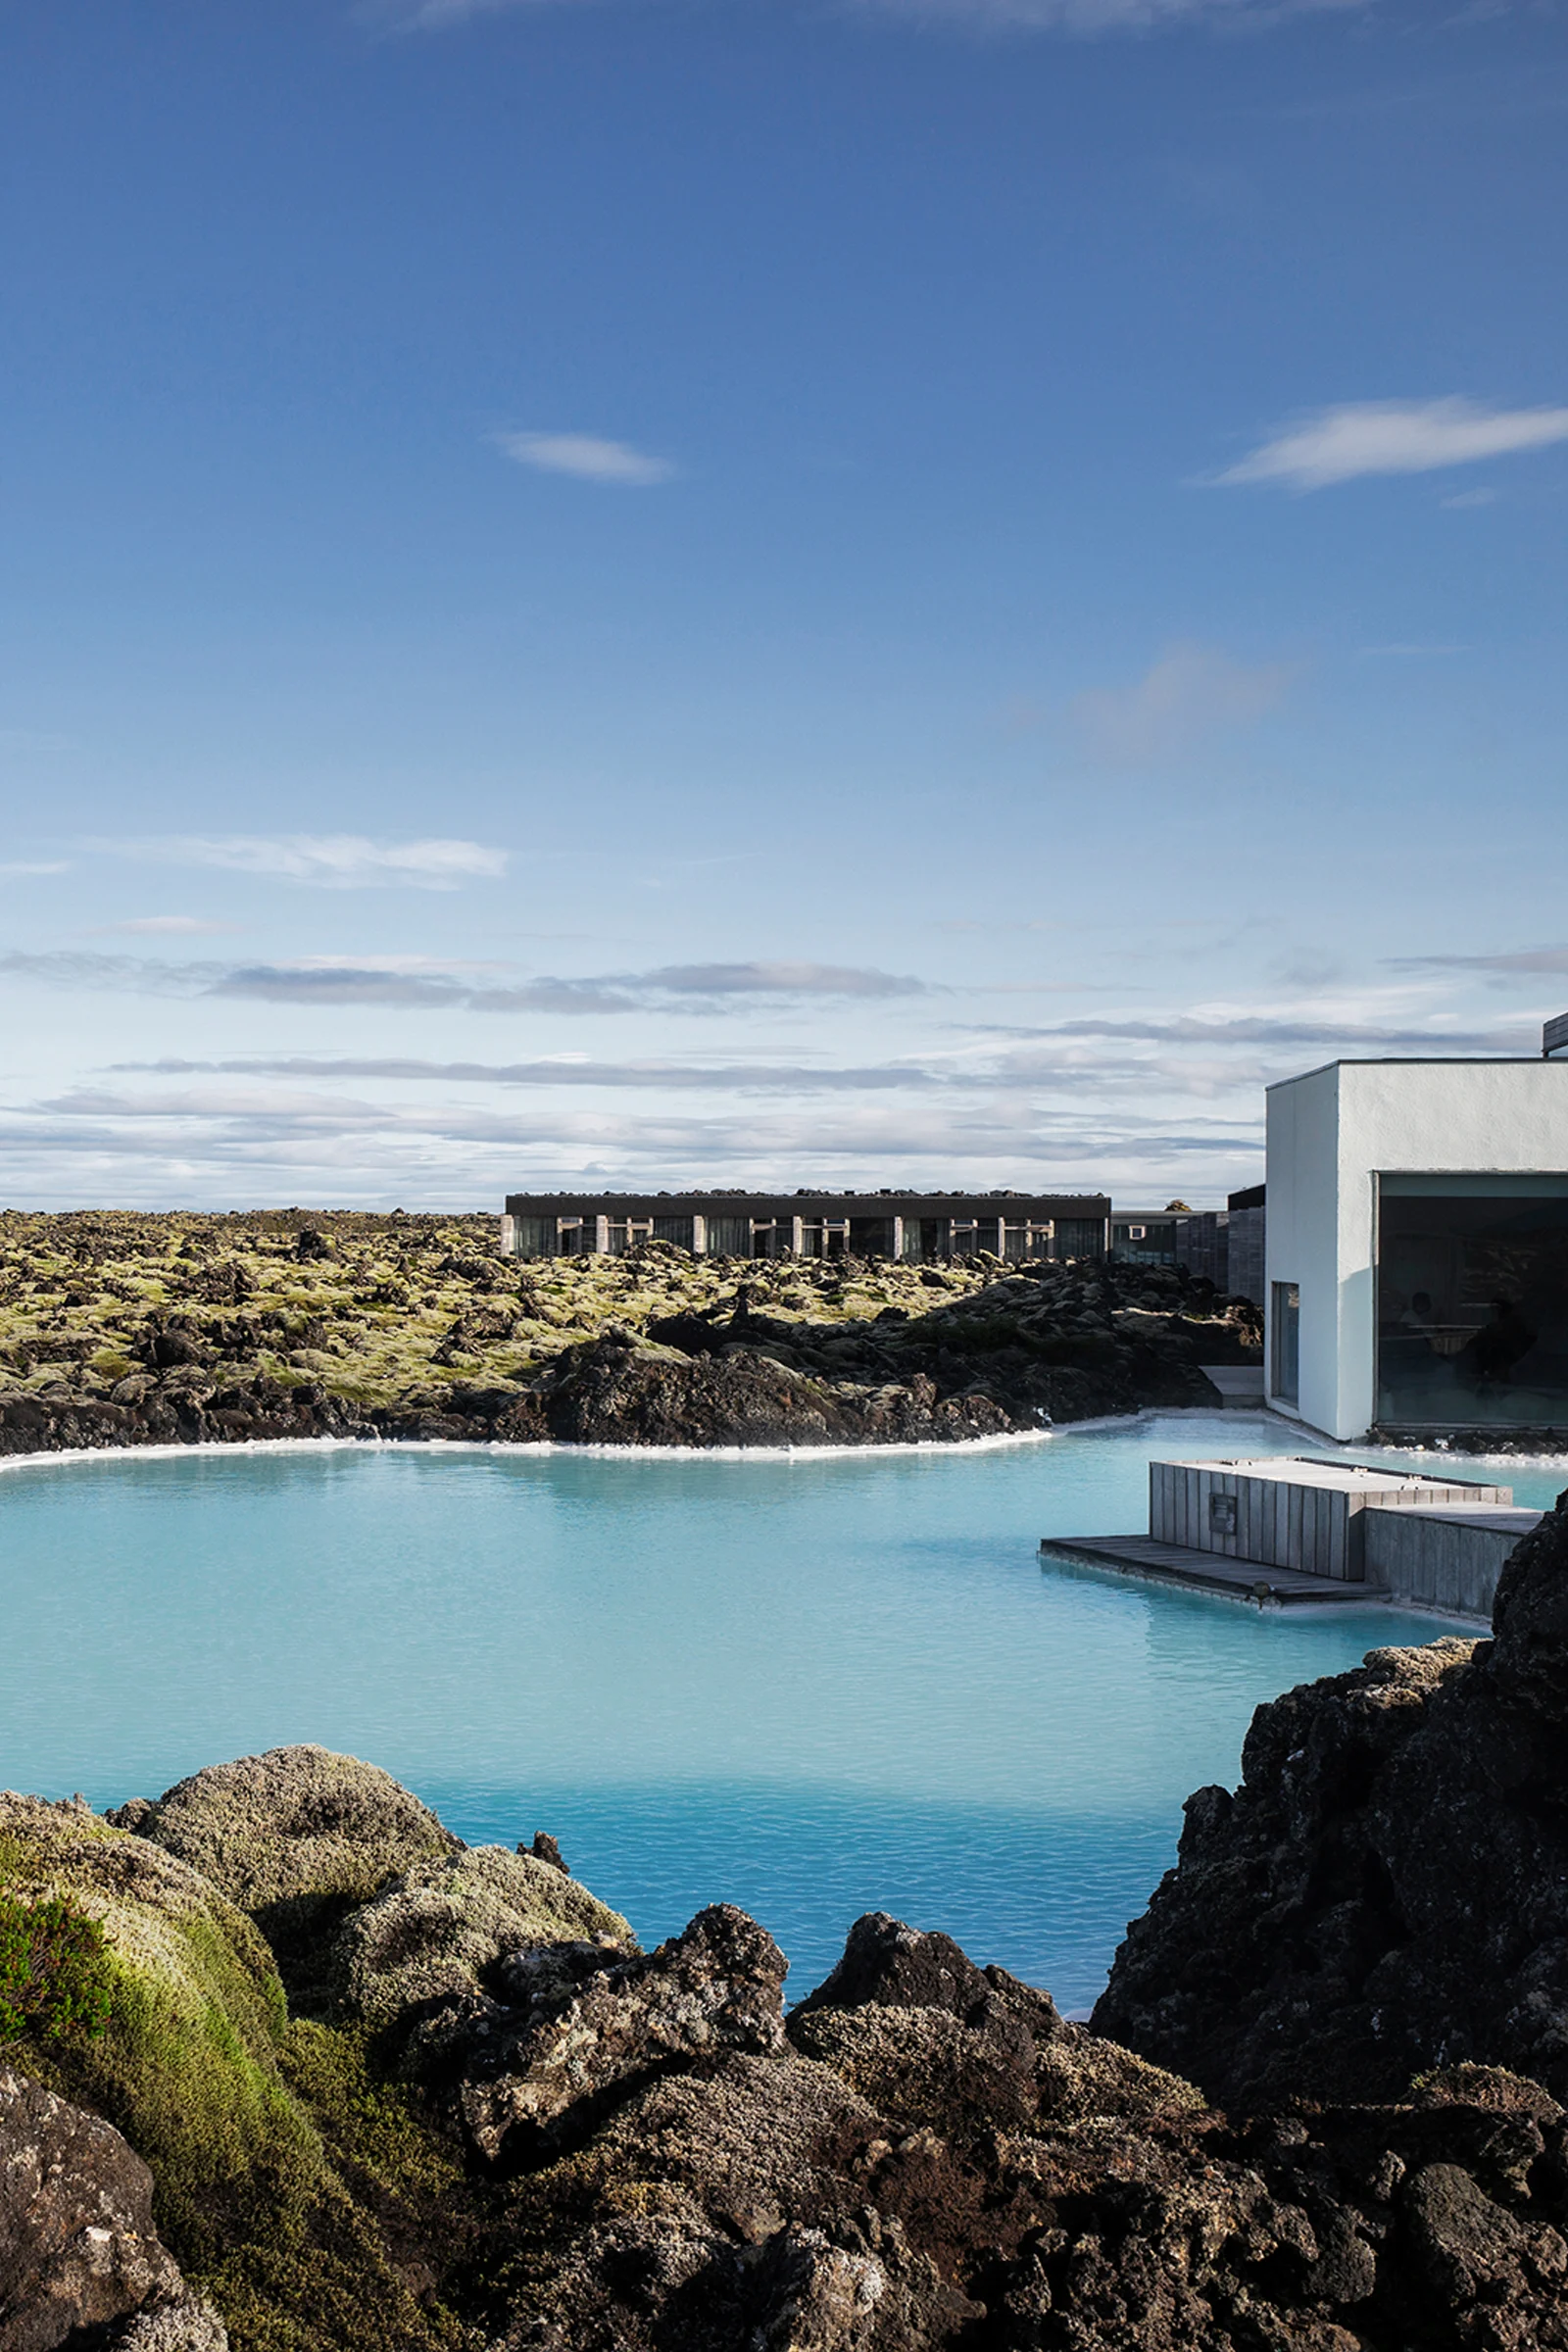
[1329, 1134]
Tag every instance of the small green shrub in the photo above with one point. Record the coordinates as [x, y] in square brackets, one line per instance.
[53, 1976]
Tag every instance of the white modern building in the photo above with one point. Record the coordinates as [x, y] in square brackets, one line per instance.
[1417, 1245]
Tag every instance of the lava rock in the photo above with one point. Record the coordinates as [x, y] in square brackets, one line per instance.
[78, 2250]
[716, 1987]
[1388, 1889]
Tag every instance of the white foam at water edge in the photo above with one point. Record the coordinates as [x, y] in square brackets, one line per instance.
[226, 1450]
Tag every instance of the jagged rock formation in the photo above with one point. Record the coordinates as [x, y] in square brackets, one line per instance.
[79, 2257]
[1388, 1889]
[491, 2125]
[437, 1931]
[121, 1330]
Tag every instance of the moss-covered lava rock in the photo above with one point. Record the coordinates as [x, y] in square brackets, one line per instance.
[119, 1329]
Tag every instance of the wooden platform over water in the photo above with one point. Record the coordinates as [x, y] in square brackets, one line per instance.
[1209, 1571]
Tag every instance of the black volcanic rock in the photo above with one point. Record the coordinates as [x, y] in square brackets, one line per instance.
[1386, 1891]
[78, 2251]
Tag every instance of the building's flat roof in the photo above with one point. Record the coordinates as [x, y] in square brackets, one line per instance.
[804, 1204]
[1341, 1478]
[1437, 1061]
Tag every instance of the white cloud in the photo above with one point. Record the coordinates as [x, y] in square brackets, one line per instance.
[1087, 17]
[416, 983]
[331, 860]
[1520, 959]
[590, 460]
[430, 16]
[183, 926]
[1394, 436]
[42, 865]
[1190, 692]
[1083, 18]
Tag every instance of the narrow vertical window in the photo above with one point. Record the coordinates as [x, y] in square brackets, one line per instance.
[1286, 1383]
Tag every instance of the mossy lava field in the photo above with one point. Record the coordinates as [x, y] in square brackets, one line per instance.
[124, 1329]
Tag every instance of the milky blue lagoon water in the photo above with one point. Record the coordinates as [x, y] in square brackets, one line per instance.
[811, 1685]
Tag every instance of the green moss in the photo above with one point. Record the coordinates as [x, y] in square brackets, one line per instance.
[319, 2278]
[284, 2174]
[54, 1979]
[369, 2126]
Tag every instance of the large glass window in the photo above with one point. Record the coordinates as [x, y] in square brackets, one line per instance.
[1472, 1302]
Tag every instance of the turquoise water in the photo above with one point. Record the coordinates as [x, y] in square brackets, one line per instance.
[813, 1685]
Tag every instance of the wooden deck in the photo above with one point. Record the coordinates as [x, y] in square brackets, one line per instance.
[1208, 1571]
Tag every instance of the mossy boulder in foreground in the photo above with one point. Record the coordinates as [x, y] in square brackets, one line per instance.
[296, 2186]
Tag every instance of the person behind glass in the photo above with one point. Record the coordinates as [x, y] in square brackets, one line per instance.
[1498, 1347]
[1417, 1318]
[1414, 1328]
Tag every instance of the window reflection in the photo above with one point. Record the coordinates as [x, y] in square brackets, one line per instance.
[1472, 1301]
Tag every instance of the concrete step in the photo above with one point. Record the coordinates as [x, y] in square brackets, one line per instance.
[1240, 1386]
[1208, 1571]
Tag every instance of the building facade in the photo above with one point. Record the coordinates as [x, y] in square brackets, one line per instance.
[1418, 1247]
[915, 1228]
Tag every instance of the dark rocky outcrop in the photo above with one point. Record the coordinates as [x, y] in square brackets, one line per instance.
[81, 2260]
[1387, 1893]
[966, 2172]
[564, 2051]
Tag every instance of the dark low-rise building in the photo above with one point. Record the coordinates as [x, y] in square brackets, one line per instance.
[1245, 1243]
[1221, 1245]
[917, 1228]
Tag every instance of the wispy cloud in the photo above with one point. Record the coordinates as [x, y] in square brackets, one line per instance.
[1190, 693]
[173, 926]
[1083, 18]
[781, 980]
[589, 458]
[1394, 436]
[415, 985]
[1088, 18]
[431, 16]
[35, 865]
[692, 985]
[320, 1145]
[327, 861]
[1515, 959]
[1254, 1029]
[139, 975]
[576, 1073]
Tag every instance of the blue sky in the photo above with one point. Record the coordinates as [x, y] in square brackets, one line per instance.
[786, 593]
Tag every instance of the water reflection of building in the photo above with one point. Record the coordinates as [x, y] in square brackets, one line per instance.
[914, 1227]
[1418, 1275]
